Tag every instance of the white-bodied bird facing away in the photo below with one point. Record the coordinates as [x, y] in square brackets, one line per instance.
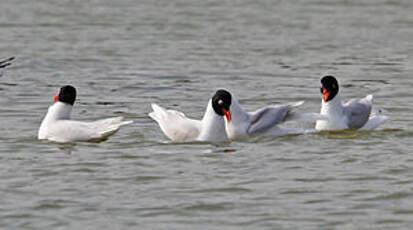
[355, 114]
[179, 128]
[262, 122]
[57, 126]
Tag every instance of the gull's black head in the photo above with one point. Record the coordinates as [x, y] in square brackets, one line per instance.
[67, 94]
[329, 87]
[221, 102]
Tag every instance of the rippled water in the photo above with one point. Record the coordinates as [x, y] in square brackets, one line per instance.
[122, 55]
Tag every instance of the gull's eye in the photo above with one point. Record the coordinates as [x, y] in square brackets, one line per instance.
[220, 102]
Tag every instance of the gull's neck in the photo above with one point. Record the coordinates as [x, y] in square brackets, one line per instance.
[238, 115]
[333, 106]
[59, 111]
[240, 121]
[334, 110]
[213, 126]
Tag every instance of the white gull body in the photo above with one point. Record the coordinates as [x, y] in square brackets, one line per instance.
[355, 114]
[179, 128]
[57, 126]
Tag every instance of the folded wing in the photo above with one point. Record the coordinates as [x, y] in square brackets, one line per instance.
[358, 111]
[70, 131]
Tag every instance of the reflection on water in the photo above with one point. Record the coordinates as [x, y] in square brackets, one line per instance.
[66, 147]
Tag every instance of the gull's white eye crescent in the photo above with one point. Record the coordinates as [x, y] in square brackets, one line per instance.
[220, 102]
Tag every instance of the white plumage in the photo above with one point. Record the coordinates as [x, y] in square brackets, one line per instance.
[355, 114]
[57, 125]
[179, 128]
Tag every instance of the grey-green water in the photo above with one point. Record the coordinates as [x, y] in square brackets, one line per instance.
[122, 55]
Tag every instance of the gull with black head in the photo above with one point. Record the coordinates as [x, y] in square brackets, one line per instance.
[57, 125]
[355, 114]
[179, 128]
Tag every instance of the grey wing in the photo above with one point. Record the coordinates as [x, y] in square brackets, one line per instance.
[267, 117]
[357, 112]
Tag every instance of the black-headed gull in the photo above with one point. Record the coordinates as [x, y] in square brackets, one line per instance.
[57, 126]
[262, 122]
[355, 114]
[179, 128]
